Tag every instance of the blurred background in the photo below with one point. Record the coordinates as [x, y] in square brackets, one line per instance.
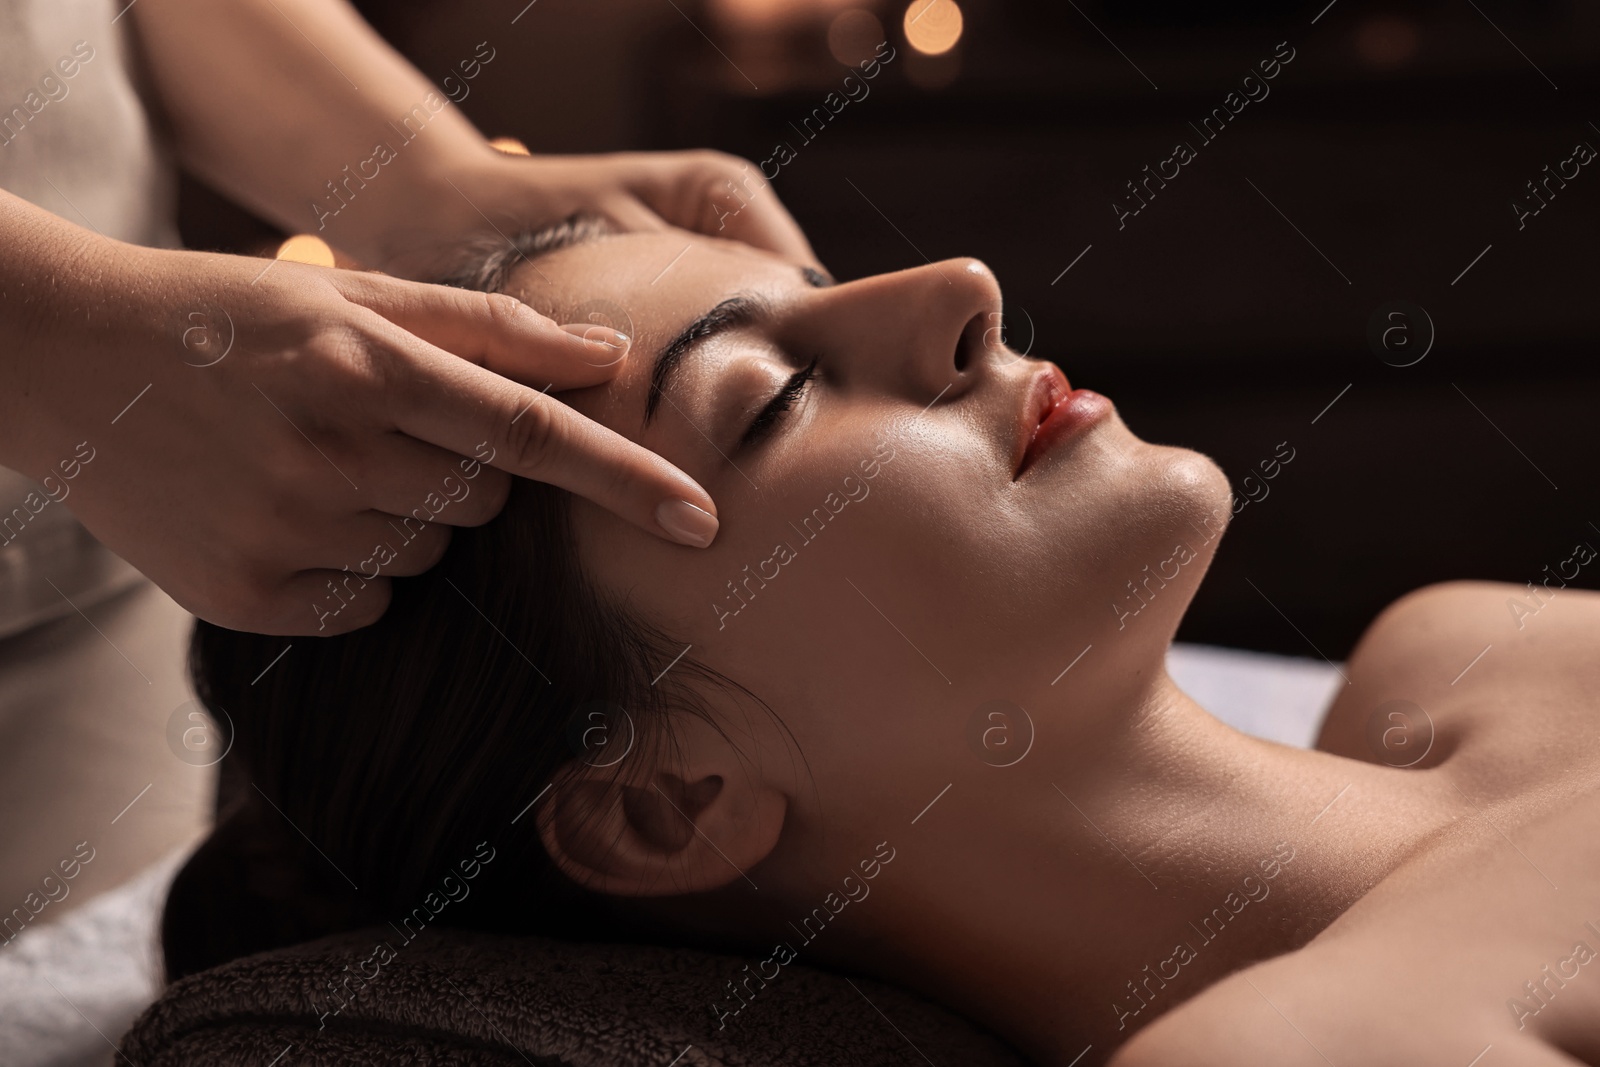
[1339, 270]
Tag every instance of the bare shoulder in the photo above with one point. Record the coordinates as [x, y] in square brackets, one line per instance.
[1437, 622]
[1469, 944]
[1453, 650]
[1237, 1023]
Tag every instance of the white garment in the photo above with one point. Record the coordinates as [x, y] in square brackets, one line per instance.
[75, 139]
[91, 654]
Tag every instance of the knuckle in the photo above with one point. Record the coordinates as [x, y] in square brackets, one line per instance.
[365, 609]
[536, 439]
[364, 356]
[371, 372]
[344, 360]
[719, 163]
[262, 609]
[503, 310]
[247, 602]
[416, 555]
[618, 481]
[483, 501]
[345, 345]
[283, 467]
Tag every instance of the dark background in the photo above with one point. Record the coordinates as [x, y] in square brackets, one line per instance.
[1395, 142]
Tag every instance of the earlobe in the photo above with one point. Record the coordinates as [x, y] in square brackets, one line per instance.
[666, 836]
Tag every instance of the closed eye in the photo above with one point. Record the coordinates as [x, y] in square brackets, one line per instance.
[767, 418]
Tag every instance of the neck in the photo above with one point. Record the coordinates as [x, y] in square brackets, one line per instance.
[1078, 899]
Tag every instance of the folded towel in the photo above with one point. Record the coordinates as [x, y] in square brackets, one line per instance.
[457, 997]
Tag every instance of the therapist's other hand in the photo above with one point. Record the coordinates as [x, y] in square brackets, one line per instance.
[265, 444]
[704, 191]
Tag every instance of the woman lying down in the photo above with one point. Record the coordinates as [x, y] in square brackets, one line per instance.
[920, 530]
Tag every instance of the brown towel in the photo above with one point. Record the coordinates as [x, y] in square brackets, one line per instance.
[455, 997]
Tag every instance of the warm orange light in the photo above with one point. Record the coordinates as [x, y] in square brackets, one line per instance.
[510, 146]
[757, 16]
[933, 26]
[304, 248]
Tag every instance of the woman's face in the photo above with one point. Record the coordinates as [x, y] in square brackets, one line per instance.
[882, 570]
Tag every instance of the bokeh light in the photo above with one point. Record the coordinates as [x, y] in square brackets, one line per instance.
[854, 36]
[933, 26]
[756, 16]
[305, 248]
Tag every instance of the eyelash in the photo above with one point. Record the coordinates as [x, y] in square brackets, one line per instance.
[767, 418]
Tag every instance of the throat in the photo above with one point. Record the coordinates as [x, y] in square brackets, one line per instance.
[1127, 887]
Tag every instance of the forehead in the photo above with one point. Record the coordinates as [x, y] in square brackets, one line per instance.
[650, 281]
[650, 286]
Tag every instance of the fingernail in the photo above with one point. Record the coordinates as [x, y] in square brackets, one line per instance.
[686, 523]
[598, 335]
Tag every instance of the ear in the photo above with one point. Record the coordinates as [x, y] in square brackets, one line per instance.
[689, 817]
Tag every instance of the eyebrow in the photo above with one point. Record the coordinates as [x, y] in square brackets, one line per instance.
[737, 311]
[732, 313]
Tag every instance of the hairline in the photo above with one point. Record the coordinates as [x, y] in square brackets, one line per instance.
[485, 264]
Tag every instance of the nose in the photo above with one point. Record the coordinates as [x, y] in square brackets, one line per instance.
[922, 333]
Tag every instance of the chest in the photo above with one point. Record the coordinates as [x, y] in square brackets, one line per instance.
[1491, 933]
[1488, 937]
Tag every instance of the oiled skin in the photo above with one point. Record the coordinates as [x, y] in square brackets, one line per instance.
[1426, 967]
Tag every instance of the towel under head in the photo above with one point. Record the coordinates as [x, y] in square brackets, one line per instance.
[456, 997]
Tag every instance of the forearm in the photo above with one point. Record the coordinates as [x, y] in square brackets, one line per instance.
[47, 307]
[297, 109]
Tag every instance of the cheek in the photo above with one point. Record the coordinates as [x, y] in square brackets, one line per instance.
[779, 557]
[867, 538]
[866, 556]
[1035, 576]
[894, 553]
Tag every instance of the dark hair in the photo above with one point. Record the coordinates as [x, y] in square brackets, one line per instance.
[370, 771]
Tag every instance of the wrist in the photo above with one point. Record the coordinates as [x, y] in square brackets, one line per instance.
[443, 203]
[58, 286]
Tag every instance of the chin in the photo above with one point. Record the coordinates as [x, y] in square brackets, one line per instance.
[1197, 485]
[1170, 530]
[1128, 540]
[1192, 501]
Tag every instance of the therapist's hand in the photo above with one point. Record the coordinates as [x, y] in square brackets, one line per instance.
[309, 156]
[704, 191]
[257, 438]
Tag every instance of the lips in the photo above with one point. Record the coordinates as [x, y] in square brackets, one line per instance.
[1053, 411]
